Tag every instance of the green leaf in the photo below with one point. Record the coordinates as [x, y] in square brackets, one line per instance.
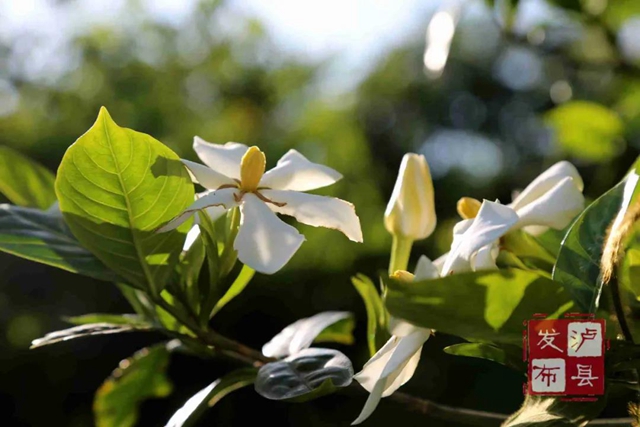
[42, 236]
[87, 330]
[236, 288]
[483, 305]
[542, 411]
[377, 333]
[210, 395]
[526, 246]
[578, 263]
[504, 355]
[137, 378]
[113, 319]
[25, 182]
[309, 374]
[340, 332]
[302, 333]
[116, 187]
[587, 131]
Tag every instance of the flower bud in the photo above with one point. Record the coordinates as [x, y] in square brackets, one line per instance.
[403, 276]
[411, 210]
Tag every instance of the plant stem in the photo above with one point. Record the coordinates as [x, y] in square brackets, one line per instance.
[614, 286]
[400, 251]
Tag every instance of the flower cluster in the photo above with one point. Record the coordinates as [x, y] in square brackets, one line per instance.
[552, 200]
[235, 177]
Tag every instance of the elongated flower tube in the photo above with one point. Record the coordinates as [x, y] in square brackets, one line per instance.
[411, 210]
[236, 177]
[395, 363]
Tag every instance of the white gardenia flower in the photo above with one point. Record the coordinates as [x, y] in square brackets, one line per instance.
[236, 176]
[552, 200]
[395, 363]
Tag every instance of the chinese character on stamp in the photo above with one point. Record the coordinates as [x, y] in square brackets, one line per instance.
[566, 356]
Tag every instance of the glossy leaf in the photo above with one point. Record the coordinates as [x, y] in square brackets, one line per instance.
[484, 305]
[86, 330]
[587, 130]
[137, 378]
[42, 236]
[236, 288]
[301, 334]
[504, 355]
[526, 246]
[116, 187]
[578, 263]
[377, 333]
[25, 182]
[210, 395]
[309, 374]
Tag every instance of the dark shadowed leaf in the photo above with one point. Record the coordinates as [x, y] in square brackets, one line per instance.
[377, 333]
[116, 187]
[25, 182]
[484, 305]
[137, 378]
[301, 334]
[578, 263]
[86, 331]
[210, 395]
[502, 354]
[42, 236]
[309, 374]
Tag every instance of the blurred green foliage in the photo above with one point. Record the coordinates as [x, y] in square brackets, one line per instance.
[481, 125]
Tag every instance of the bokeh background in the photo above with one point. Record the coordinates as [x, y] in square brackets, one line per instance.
[492, 94]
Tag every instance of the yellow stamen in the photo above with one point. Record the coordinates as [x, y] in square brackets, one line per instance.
[403, 276]
[468, 207]
[251, 169]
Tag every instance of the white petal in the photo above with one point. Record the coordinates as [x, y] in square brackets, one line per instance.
[439, 262]
[547, 180]
[492, 222]
[301, 334]
[295, 172]
[388, 362]
[221, 198]
[425, 269]
[206, 176]
[401, 328]
[391, 367]
[192, 235]
[317, 211]
[405, 374]
[371, 404]
[485, 258]
[264, 242]
[214, 212]
[222, 158]
[556, 208]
